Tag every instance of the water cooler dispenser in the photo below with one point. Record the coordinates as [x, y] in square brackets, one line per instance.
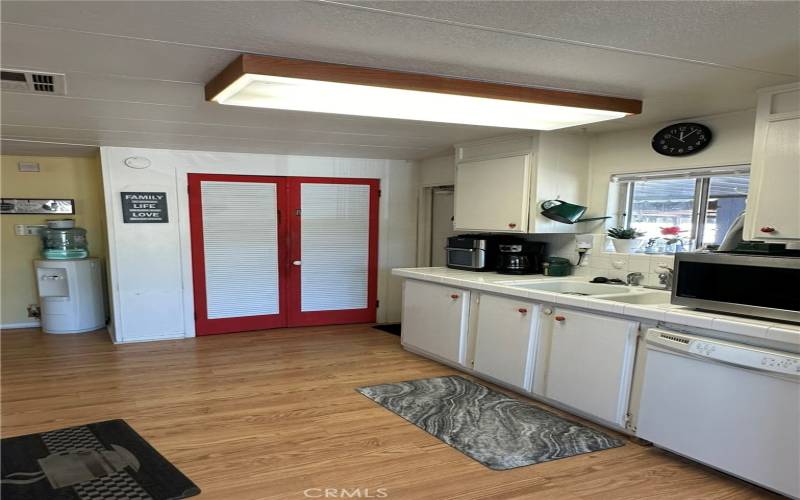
[70, 285]
[71, 295]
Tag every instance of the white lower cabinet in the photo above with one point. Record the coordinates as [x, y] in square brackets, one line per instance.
[505, 346]
[579, 359]
[435, 320]
[587, 362]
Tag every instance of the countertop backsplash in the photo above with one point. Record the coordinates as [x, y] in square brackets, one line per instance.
[600, 262]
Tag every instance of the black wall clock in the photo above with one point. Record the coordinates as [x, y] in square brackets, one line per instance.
[681, 139]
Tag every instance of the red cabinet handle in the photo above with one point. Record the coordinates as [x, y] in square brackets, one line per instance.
[512, 225]
[767, 229]
[454, 296]
[522, 310]
[559, 318]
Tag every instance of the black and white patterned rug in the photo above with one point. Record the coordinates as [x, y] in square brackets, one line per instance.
[99, 461]
[498, 431]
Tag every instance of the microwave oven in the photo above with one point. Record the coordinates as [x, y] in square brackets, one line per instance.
[763, 286]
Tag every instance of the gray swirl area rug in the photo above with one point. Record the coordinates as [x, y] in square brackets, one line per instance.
[498, 431]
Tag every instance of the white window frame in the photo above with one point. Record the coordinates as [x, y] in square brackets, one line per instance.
[702, 176]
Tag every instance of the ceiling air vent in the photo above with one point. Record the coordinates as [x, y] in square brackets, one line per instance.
[33, 82]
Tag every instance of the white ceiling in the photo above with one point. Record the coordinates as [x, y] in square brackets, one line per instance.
[136, 70]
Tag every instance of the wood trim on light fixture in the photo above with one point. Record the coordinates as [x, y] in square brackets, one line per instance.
[340, 73]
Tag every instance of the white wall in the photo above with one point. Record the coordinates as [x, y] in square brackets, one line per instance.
[438, 171]
[150, 264]
[630, 151]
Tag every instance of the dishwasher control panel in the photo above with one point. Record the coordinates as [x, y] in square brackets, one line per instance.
[734, 354]
[747, 357]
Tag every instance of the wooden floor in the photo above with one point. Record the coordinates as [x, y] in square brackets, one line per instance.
[273, 414]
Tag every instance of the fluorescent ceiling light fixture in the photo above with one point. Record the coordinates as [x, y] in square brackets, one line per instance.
[297, 85]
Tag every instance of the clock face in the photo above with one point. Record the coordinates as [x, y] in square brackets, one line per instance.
[681, 139]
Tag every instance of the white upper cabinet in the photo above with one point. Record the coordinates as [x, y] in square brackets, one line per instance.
[493, 194]
[773, 204]
[501, 182]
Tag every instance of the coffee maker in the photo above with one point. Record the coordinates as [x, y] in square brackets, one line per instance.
[518, 256]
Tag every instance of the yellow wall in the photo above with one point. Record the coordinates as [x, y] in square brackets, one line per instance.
[76, 178]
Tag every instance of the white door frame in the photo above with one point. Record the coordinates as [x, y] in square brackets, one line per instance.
[424, 226]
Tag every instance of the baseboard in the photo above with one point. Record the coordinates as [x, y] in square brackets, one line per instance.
[146, 339]
[15, 326]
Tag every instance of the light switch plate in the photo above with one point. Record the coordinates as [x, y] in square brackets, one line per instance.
[584, 241]
[28, 166]
[28, 229]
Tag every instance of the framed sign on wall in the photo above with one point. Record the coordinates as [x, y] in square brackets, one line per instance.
[144, 207]
[36, 206]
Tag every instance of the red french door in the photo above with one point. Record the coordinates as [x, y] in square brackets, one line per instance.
[333, 251]
[270, 252]
[238, 252]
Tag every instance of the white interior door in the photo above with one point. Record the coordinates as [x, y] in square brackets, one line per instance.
[441, 224]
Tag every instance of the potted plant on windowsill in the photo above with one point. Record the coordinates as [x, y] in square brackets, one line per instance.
[674, 240]
[625, 240]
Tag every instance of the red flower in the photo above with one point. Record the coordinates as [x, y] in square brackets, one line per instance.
[672, 230]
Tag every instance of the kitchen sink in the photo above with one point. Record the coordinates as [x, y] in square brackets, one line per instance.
[647, 298]
[572, 287]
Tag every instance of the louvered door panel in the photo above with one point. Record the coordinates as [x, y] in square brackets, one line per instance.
[238, 258]
[334, 244]
[240, 228]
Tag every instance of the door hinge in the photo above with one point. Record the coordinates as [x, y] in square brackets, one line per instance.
[377, 303]
[628, 420]
[380, 193]
[297, 212]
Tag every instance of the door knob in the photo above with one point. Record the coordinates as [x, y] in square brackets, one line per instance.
[297, 262]
[512, 225]
[454, 296]
[522, 310]
[559, 318]
[767, 229]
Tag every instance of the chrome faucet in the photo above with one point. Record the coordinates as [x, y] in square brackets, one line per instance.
[665, 277]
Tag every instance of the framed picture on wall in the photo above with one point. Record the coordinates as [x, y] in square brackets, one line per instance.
[36, 206]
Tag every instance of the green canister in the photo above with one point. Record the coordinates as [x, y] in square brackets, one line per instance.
[557, 266]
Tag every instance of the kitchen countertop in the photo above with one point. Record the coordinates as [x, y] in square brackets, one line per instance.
[670, 313]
